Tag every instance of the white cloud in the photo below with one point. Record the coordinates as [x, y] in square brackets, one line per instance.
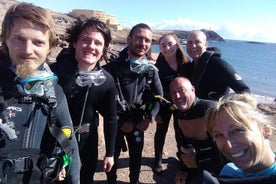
[178, 24]
[252, 32]
[228, 30]
[182, 23]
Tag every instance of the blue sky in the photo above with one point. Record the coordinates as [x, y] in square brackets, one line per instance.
[253, 20]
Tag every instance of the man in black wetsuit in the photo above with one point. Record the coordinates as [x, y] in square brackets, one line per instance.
[34, 115]
[137, 80]
[210, 75]
[89, 90]
[197, 150]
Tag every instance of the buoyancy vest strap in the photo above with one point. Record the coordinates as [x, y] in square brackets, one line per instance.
[56, 132]
[82, 111]
[121, 99]
[62, 139]
[204, 60]
[149, 75]
[7, 125]
[2, 100]
[17, 165]
[18, 161]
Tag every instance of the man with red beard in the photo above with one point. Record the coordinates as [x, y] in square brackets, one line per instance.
[29, 98]
[136, 80]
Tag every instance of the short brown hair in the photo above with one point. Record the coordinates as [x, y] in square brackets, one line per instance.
[32, 15]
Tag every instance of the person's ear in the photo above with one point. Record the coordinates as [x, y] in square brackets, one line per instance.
[206, 44]
[267, 131]
[128, 39]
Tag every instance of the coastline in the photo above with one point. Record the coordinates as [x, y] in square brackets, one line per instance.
[266, 104]
[116, 48]
[265, 99]
[260, 98]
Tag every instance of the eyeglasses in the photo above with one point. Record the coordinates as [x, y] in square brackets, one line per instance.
[38, 85]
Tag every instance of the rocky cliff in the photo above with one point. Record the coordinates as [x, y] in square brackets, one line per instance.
[118, 35]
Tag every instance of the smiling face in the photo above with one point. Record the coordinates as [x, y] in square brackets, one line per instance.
[28, 47]
[196, 44]
[168, 46]
[182, 93]
[89, 49]
[140, 42]
[242, 145]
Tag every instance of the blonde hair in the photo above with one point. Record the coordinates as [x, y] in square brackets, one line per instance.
[31, 14]
[243, 109]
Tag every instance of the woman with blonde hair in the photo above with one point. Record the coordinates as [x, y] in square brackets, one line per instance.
[241, 132]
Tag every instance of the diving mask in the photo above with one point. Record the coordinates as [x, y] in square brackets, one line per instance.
[139, 66]
[88, 78]
[38, 85]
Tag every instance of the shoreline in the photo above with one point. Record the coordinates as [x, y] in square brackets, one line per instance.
[264, 99]
[261, 98]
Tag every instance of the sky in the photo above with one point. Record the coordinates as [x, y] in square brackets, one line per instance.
[251, 20]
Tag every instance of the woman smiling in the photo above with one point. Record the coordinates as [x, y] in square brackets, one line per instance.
[242, 134]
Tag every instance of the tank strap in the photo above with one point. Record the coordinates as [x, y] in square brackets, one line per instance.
[18, 161]
[56, 131]
[17, 165]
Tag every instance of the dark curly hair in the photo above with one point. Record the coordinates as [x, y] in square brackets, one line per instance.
[81, 24]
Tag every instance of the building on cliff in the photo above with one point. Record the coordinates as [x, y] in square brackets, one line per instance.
[101, 15]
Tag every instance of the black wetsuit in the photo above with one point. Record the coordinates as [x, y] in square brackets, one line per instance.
[100, 99]
[212, 77]
[30, 120]
[133, 87]
[208, 156]
[166, 74]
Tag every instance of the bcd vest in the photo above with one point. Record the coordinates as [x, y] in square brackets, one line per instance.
[27, 122]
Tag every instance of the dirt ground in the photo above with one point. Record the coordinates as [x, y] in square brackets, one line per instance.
[169, 162]
[146, 175]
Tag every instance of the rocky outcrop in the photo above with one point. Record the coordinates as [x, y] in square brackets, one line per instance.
[119, 35]
[181, 34]
[103, 16]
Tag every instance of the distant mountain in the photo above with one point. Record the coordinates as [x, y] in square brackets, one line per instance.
[182, 35]
[119, 36]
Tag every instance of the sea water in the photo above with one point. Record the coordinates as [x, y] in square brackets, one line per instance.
[255, 63]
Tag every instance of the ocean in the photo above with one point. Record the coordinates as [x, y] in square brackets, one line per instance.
[255, 63]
